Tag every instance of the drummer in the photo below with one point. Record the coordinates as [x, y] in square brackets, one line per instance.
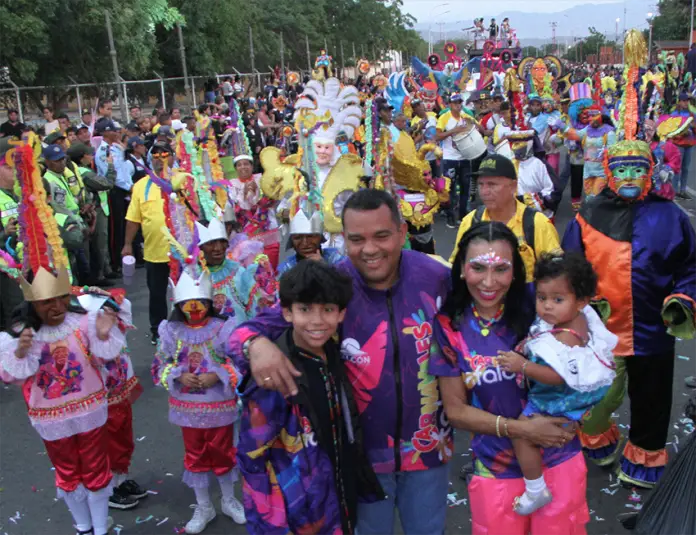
[456, 165]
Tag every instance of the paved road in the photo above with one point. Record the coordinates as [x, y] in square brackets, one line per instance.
[27, 493]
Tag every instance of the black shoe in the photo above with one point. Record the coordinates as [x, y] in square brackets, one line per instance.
[155, 339]
[119, 500]
[114, 275]
[451, 223]
[132, 489]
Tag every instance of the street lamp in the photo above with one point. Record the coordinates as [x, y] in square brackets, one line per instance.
[617, 29]
[430, 28]
[650, 22]
[691, 30]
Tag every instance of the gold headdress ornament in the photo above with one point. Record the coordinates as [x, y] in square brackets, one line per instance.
[44, 255]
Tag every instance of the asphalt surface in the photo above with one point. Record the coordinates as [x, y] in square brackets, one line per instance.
[28, 504]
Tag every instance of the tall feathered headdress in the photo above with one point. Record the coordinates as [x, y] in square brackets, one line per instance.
[44, 257]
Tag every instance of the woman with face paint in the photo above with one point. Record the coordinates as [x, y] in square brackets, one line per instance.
[489, 311]
[191, 365]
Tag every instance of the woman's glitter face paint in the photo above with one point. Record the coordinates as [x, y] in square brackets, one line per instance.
[490, 259]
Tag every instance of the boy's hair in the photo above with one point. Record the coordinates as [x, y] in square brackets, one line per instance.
[313, 282]
[574, 266]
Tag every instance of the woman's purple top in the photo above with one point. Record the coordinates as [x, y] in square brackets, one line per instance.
[465, 351]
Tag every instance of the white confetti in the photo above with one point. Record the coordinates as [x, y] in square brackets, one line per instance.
[635, 506]
[153, 492]
[141, 438]
[162, 521]
[610, 492]
[598, 519]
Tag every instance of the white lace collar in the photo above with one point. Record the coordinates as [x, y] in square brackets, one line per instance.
[50, 335]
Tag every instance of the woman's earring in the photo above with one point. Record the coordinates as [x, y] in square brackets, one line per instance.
[462, 276]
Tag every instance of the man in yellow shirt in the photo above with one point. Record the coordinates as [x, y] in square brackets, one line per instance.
[497, 187]
[146, 212]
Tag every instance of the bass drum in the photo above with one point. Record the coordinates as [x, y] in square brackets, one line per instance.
[470, 144]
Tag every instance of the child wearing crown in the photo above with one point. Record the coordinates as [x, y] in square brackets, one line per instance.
[190, 364]
[55, 351]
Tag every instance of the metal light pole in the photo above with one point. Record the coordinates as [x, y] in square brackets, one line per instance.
[309, 61]
[282, 56]
[182, 51]
[650, 22]
[691, 30]
[114, 62]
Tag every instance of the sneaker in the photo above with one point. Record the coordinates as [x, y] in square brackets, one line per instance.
[119, 500]
[451, 223]
[132, 489]
[690, 381]
[202, 515]
[233, 508]
[528, 503]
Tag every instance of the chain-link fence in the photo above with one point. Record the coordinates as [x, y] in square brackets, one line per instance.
[149, 94]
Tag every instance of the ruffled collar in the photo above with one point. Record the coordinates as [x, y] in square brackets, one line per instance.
[181, 331]
[601, 340]
[50, 335]
[224, 271]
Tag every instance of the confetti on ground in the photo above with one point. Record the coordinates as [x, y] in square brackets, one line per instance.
[465, 454]
[179, 530]
[610, 492]
[676, 449]
[34, 489]
[117, 530]
[634, 497]
[141, 438]
[153, 492]
[615, 484]
[162, 521]
[635, 506]
[138, 520]
[598, 519]
[453, 501]
[169, 475]
[682, 357]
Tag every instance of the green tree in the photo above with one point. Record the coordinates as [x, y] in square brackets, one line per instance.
[672, 23]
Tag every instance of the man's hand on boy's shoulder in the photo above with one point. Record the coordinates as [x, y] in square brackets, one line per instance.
[271, 368]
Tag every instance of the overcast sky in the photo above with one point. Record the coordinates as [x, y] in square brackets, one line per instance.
[427, 10]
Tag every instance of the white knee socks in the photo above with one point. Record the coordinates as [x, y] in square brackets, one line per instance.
[202, 496]
[79, 509]
[99, 510]
[227, 484]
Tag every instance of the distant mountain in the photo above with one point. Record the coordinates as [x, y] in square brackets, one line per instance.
[535, 28]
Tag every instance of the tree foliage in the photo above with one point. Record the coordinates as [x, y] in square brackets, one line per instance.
[672, 22]
[51, 41]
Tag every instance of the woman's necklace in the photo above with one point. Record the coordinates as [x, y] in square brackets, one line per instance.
[484, 323]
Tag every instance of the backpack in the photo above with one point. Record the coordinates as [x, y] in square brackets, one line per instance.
[527, 223]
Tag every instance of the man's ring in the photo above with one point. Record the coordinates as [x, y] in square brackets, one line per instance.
[266, 378]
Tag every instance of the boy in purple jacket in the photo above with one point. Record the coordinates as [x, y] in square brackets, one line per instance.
[301, 457]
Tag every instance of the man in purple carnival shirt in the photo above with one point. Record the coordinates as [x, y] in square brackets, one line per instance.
[385, 343]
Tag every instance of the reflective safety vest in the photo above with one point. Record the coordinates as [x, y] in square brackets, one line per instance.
[61, 192]
[8, 208]
[103, 195]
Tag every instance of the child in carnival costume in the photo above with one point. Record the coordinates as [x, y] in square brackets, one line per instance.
[123, 389]
[593, 136]
[647, 272]
[242, 282]
[56, 351]
[324, 101]
[190, 363]
[668, 161]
